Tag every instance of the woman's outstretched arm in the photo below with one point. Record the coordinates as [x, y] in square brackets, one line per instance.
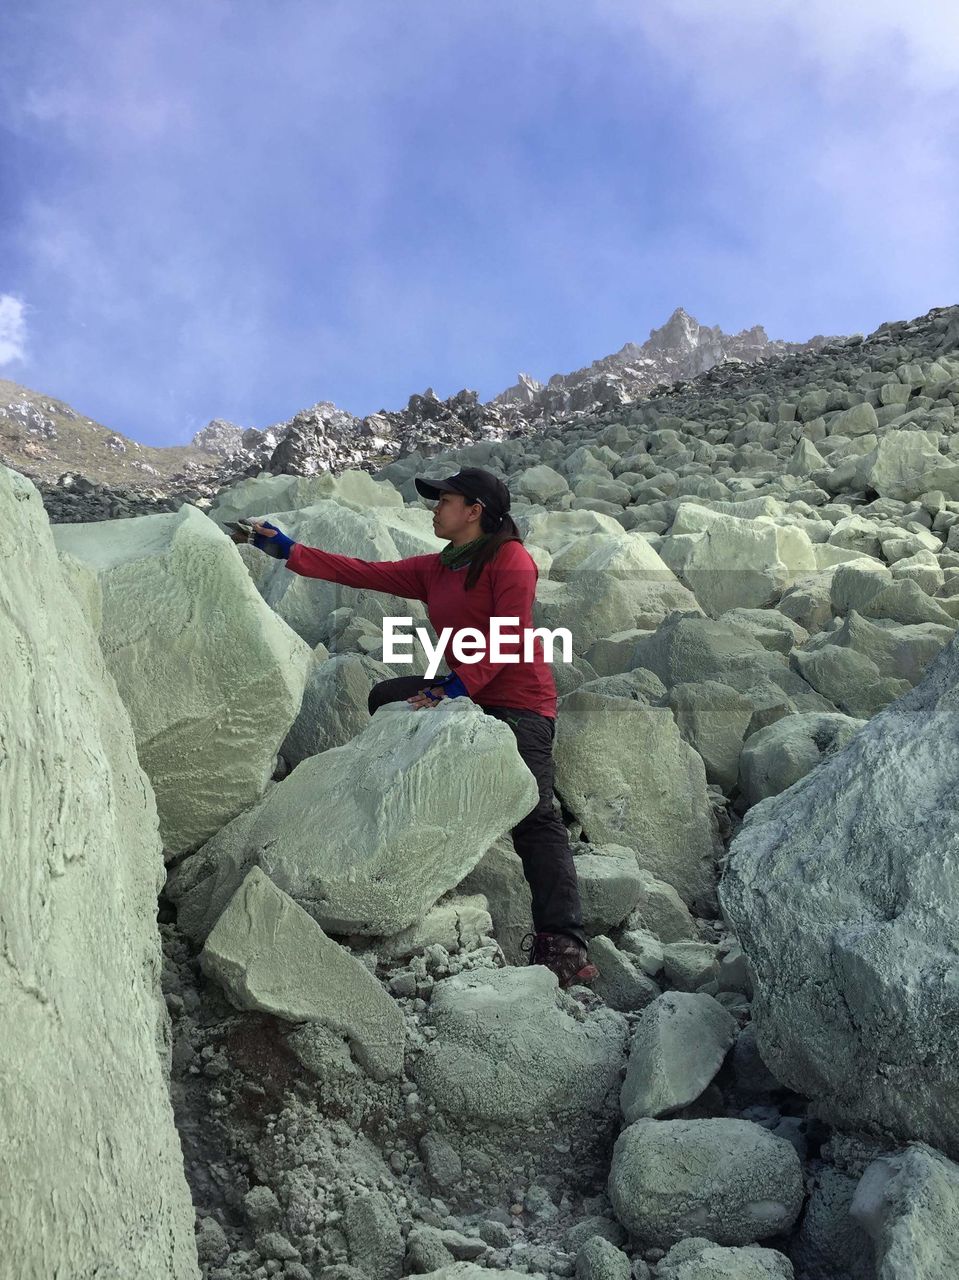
[406, 578]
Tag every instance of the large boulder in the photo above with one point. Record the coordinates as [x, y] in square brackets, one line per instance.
[848, 678]
[731, 1181]
[507, 1050]
[606, 584]
[212, 679]
[908, 1204]
[905, 464]
[625, 772]
[367, 836]
[731, 563]
[900, 651]
[874, 593]
[841, 890]
[269, 955]
[690, 649]
[713, 719]
[92, 1169]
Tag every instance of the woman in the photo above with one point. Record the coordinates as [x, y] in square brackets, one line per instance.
[483, 572]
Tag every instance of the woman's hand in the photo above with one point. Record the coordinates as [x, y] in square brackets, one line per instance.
[267, 537]
[422, 699]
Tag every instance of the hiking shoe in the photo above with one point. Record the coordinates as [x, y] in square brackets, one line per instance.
[562, 955]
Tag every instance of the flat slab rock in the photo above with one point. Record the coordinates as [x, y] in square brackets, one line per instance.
[270, 955]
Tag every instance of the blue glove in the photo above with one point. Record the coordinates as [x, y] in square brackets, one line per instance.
[452, 686]
[279, 546]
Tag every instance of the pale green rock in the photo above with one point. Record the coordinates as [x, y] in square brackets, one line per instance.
[556, 530]
[923, 568]
[269, 955]
[894, 393]
[599, 1259]
[713, 719]
[644, 948]
[612, 655]
[856, 421]
[805, 459]
[678, 1045]
[540, 484]
[874, 593]
[905, 464]
[899, 651]
[609, 888]
[305, 603]
[621, 583]
[731, 563]
[908, 1203]
[459, 923]
[259, 494]
[376, 1242]
[499, 878]
[622, 983]
[731, 1181]
[661, 810]
[661, 911]
[212, 679]
[597, 487]
[335, 704]
[774, 630]
[777, 757]
[85, 586]
[699, 1259]
[839, 891]
[848, 678]
[85, 1115]
[508, 1050]
[856, 533]
[368, 836]
[689, 965]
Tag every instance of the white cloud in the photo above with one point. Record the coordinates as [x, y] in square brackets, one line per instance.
[13, 329]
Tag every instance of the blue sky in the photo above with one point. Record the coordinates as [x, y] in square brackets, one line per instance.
[233, 208]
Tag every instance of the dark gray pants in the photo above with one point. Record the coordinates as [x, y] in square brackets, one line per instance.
[540, 839]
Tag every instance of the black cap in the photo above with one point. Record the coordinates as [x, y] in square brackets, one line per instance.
[472, 482]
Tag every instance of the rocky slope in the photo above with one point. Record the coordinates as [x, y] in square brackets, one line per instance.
[86, 472]
[682, 349]
[755, 758]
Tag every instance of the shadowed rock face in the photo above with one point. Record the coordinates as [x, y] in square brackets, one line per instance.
[92, 1173]
[843, 891]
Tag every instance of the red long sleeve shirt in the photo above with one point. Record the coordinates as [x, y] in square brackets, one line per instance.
[506, 588]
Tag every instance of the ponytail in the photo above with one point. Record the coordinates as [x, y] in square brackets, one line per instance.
[501, 529]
